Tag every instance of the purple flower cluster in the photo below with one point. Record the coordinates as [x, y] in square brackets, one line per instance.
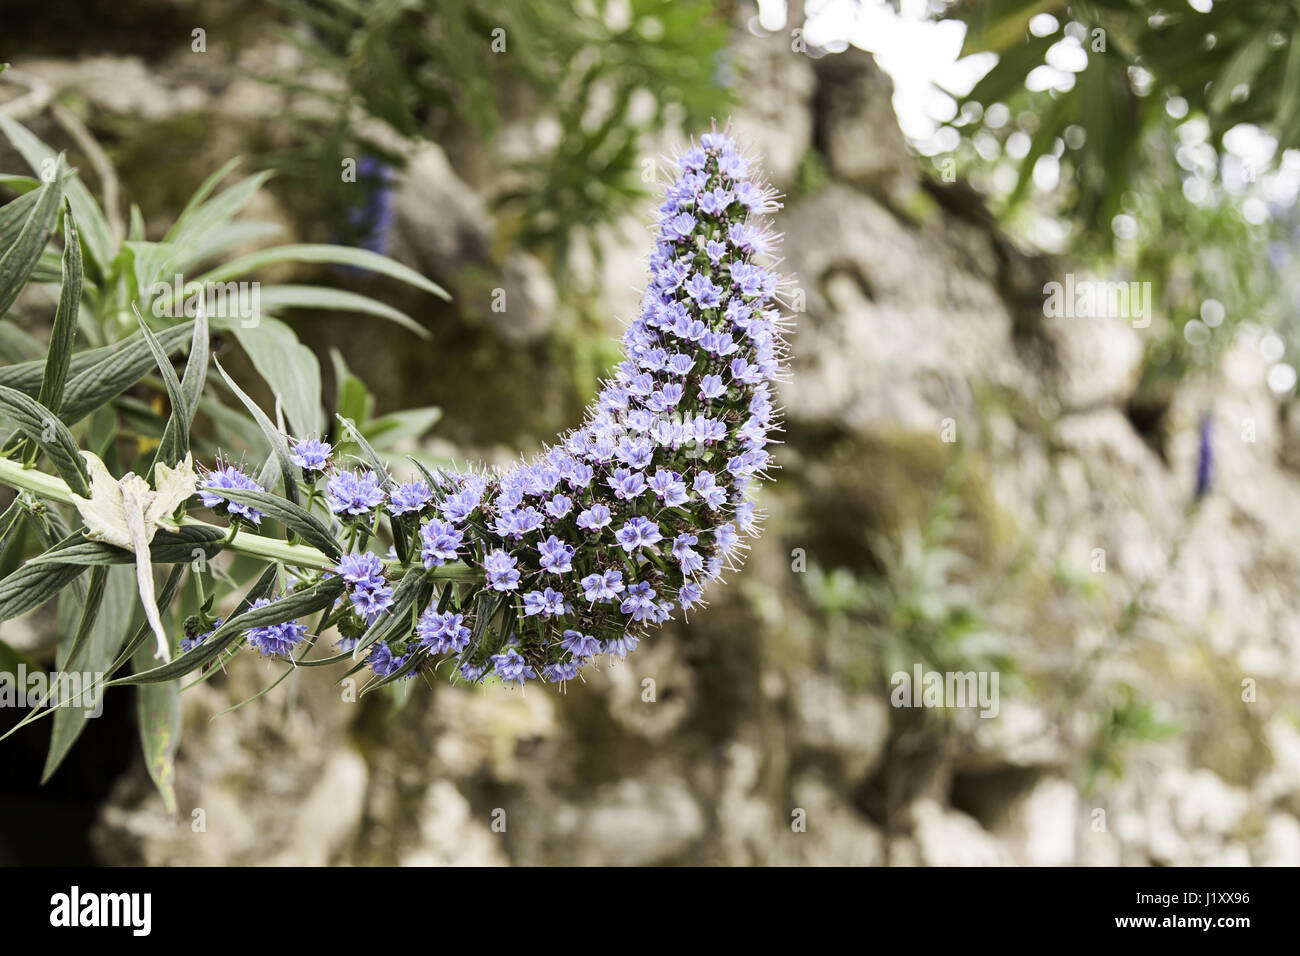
[384, 662]
[275, 640]
[642, 507]
[367, 588]
[311, 455]
[354, 493]
[233, 477]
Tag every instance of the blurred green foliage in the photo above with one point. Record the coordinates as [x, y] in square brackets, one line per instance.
[919, 608]
[1123, 719]
[606, 72]
[1147, 190]
[1235, 63]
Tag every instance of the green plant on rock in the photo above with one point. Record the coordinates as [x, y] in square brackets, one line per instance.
[918, 608]
[104, 381]
[616, 70]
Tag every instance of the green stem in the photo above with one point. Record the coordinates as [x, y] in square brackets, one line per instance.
[13, 474]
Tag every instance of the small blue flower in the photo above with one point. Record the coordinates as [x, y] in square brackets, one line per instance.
[711, 387]
[355, 493]
[511, 667]
[442, 633]
[637, 533]
[594, 518]
[501, 573]
[548, 603]
[626, 484]
[559, 506]
[311, 455]
[412, 496]
[370, 600]
[275, 639]
[709, 491]
[439, 541]
[383, 663]
[602, 587]
[580, 645]
[690, 560]
[620, 646]
[231, 477]
[365, 568]
[556, 556]
[669, 487]
[725, 537]
[559, 673]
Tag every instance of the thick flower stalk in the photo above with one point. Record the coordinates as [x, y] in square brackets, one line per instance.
[635, 513]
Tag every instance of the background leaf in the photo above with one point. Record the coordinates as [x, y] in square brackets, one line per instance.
[106, 635]
[290, 369]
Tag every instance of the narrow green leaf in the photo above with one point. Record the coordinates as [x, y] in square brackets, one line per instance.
[409, 423]
[196, 375]
[338, 255]
[352, 399]
[196, 223]
[106, 634]
[14, 214]
[72, 644]
[290, 608]
[45, 428]
[143, 631]
[94, 225]
[279, 447]
[307, 526]
[20, 257]
[65, 319]
[116, 372]
[176, 439]
[19, 184]
[204, 191]
[11, 519]
[289, 368]
[158, 713]
[276, 298]
[27, 376]
[168, 547]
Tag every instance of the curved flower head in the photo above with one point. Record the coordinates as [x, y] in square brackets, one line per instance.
[600, 537]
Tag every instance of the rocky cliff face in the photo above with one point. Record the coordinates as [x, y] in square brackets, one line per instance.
[929, 392]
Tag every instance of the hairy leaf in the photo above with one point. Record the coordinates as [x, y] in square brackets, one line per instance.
[307, 526]
[288, 608]
[279, 447]
[44, 428]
